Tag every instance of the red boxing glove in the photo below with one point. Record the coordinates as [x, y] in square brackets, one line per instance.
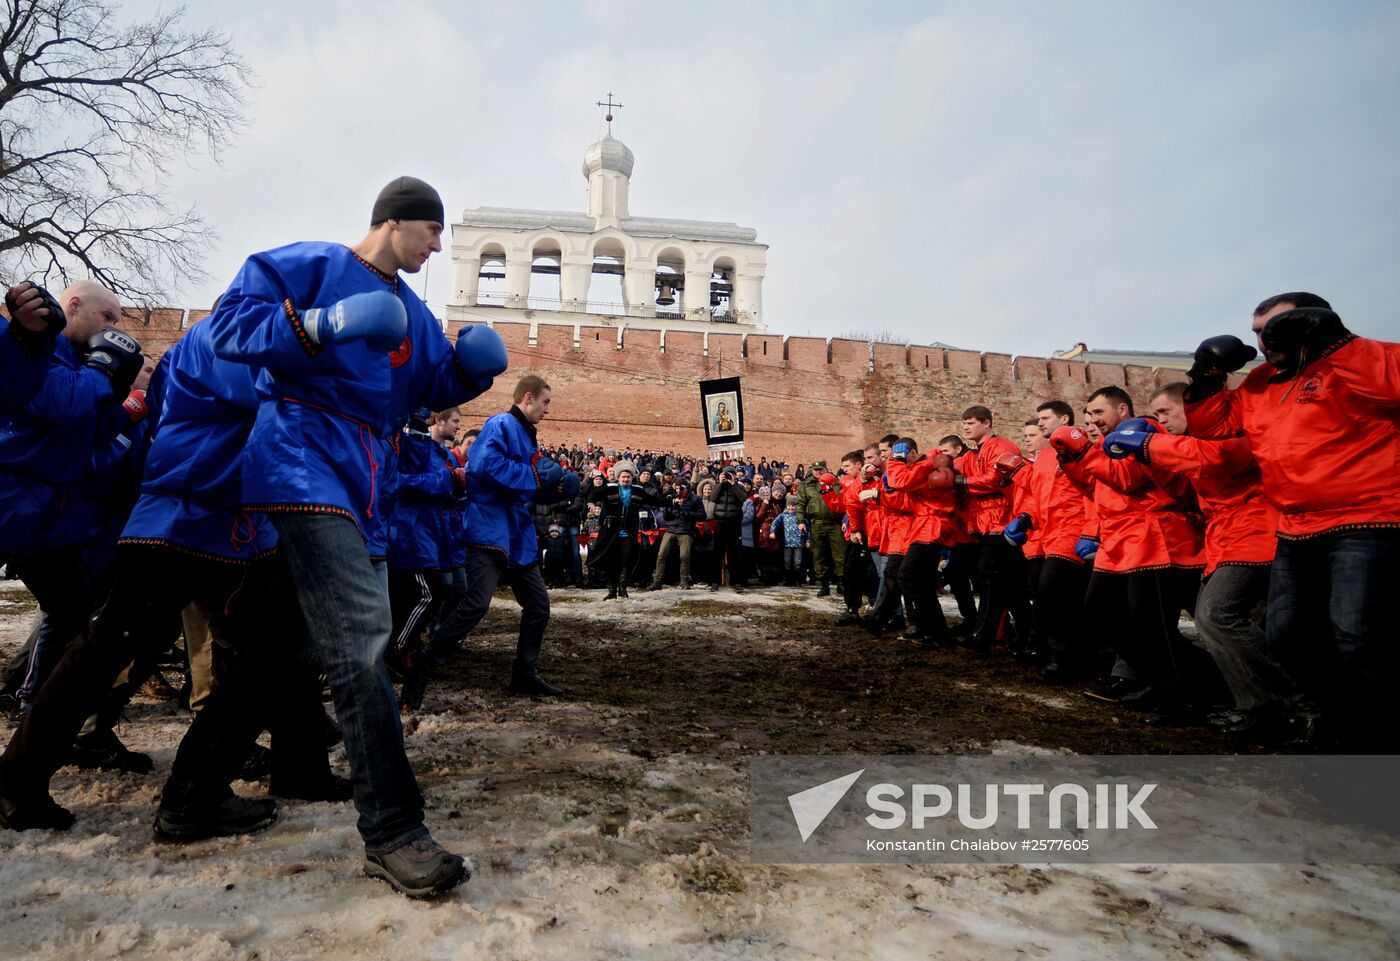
[459, 480]
[827, 482]
[1070, 443]
[135, 406]
[1008, 464]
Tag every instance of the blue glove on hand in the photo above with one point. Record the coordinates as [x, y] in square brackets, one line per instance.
[1086, 548]
[377, 318]
[1123, 443]
[899, 452]
[482, 356]
[1018, 530]
[548, 473]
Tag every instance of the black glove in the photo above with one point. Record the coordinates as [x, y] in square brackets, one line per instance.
[35, 343]
[1215, 358]
[118, 355]
[418, 419]
[1301, 335]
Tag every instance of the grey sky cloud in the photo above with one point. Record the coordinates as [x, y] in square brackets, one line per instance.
[1003, 176]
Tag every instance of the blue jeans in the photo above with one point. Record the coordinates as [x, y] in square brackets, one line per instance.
[1330, 623]
[344, 597]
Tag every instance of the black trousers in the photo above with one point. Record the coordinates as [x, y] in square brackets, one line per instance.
[1137, 613]
[486, 569]
[1060, 612]
[918, 580]
[854, 575]
[958, 575]
[255, 612]
[729, 560]
[619, 560]
[1001, 577]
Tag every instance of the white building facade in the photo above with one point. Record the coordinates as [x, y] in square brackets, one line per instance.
[603, 266]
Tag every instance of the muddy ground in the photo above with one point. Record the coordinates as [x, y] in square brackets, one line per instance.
[612, 823]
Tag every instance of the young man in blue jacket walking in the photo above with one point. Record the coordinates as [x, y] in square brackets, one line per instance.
[344, 351]
[506, 475]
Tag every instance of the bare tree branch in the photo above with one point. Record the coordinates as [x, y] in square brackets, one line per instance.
[92, 114]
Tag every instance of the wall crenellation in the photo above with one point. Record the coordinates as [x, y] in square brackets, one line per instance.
[804, 397]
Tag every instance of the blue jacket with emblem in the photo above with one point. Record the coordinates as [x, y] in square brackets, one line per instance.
[327, 414]
[501, 488]
[192, 491]
[47, 444]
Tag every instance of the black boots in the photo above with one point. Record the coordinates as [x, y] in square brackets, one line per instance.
[530, 682]
[194, 821]
[825, 590]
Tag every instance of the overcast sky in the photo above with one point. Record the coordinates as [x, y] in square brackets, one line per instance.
[1001, 176]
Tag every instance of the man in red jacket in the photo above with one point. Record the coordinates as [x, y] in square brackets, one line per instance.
[1322, 418]
[925, 485]
[1148, 563]
[854, 479]
[1240, 524]
[1054, 509]
[1001, 569]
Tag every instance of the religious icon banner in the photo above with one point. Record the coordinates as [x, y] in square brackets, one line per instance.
[722, 411]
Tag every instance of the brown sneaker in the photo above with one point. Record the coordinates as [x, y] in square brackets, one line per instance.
[420, 869]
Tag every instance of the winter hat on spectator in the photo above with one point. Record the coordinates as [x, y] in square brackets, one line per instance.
[792, 500]
[626, 465]
[765, 491]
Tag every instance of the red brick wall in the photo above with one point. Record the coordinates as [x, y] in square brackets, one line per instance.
[798, 405]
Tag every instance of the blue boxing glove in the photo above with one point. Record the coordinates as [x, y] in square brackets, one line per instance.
[899, 452]
[1086, 548]
[548, 473]
[569, 486]
[1125, 443]
[482, 356]
[1018, 530]
[377, 318]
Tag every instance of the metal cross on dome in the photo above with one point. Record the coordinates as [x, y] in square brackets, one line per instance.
[611, 107]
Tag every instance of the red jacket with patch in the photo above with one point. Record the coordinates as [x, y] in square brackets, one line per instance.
[1142, 525]
[1240, 522]
[1327, 442]
[990, 505]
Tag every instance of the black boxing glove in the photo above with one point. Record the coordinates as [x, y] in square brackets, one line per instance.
[29, 311]
[1301, 335]
[1215, 358]
[118, 355]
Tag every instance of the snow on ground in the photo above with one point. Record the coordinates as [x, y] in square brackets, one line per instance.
[609, 827]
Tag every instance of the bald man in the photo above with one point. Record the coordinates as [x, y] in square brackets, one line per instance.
[46, 446]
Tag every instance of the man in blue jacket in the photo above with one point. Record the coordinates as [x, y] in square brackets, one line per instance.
[422, 548]
[47, 446]
[344, 351]
[506, 475]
